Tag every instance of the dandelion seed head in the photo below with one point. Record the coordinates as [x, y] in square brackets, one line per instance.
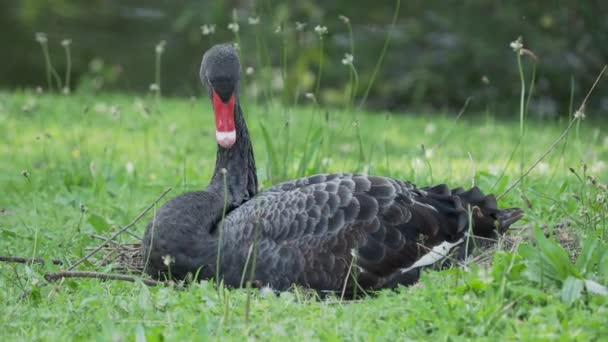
[250, 70]
[321, 30]
[517, 45]
[348, 59]
[208, 29]
[168, 260]
[39, 90]
[154, 87]
[66, 42]
[234, 27]
[300, 26]
[160, 47]
[310, 96]
[253, 20]
[223, 171]
[344, 19]
[41, 37]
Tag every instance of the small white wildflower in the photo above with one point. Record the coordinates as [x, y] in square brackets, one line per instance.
[234, 27]
[223, 171]
[41, 37]
[66, 42]
[208, 29]
[168, 260]
[253, 20]
[579, 114]
[344, 19]
[428, 153]
[310, 96]
[517, 45]
[267, 292]
[485, 80]
[598, 166]
[321, 30]
[160, 47]
[154, 87]
[278, 29]
[348, 59]
[300, 26]
[130, 167]
[250, 70]
[542, 168]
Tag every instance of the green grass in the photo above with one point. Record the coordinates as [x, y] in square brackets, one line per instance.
[115, 154]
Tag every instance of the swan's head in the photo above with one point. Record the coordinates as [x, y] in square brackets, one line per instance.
[220, 73]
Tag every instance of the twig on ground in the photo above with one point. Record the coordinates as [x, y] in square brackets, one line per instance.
[561, 137]
[22, 260]
[111, 238]
[52, 277]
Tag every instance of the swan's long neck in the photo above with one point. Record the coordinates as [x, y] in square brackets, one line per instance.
[239, 182]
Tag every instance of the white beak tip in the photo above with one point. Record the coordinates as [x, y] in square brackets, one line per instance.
[225, 139]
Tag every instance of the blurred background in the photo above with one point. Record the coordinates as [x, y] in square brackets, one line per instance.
[440, 53]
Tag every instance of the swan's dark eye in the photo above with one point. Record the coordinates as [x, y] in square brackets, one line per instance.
[223, 86]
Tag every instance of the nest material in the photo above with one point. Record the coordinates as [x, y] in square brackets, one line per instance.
[123, 257]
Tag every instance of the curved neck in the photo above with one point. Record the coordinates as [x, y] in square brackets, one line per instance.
[241, 182]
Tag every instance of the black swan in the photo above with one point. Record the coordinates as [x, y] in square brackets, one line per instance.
[325, 232]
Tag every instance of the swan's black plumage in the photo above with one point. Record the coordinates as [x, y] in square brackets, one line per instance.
[321, 232]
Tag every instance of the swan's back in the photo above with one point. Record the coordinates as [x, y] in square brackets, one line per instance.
[314, 231]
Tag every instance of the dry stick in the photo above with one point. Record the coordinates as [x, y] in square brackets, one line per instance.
[52, 277]
[111, 238]
[562, 136]
[21, 260]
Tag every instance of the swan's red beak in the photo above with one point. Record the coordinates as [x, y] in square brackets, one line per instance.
[225, 131]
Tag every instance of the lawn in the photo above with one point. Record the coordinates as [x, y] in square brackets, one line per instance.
[81, 165]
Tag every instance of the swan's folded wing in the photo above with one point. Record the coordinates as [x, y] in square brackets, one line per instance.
[316, 230]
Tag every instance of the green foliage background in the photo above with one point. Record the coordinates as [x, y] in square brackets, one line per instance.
[441, 52]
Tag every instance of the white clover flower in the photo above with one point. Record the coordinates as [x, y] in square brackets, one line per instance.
[41, 37]
[208, 29]
[344, 19]
[160, 47]
[300, 26]
[66, 42]
[234, 27]
[517, 45]
[348, 59]
[250, 70]
[253, 20]
[321, 30]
